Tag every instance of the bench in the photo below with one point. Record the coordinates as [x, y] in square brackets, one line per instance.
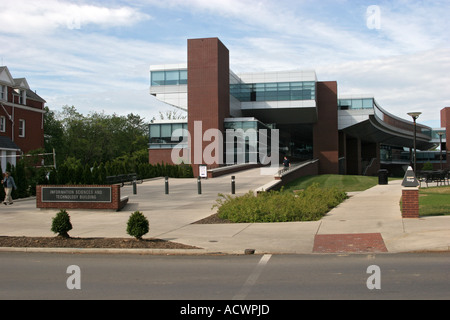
[122, 179]
[440, 177]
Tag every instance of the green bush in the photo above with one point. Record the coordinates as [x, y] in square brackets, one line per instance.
[137, 225]
[427, 166]
[61, 224]
[310, 204]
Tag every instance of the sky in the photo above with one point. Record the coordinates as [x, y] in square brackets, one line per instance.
[95, 55]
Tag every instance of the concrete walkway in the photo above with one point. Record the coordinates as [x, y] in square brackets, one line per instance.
[368, 221]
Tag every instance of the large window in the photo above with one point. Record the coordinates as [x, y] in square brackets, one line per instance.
[161, 135]
[349, 104]
[168, 78]
[275, 91]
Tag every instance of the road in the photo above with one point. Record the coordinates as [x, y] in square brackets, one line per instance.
[224, 277]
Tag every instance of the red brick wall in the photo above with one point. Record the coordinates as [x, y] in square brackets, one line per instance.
[34, 132]
[208, 91]
[156, 156]
[115, 204]
[410, 203]
[325, 132]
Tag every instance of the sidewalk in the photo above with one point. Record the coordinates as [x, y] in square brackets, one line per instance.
[368, 222]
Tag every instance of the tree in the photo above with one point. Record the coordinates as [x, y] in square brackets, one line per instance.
[96, 137]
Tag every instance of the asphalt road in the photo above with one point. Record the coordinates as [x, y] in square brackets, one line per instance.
[224, 277]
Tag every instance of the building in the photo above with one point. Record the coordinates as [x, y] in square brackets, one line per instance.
[347, 134]
[21, 118]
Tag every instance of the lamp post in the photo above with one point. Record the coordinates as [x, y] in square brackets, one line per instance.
[414, 115]
[440, 133]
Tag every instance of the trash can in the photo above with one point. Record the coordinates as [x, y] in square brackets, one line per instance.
[382, 176]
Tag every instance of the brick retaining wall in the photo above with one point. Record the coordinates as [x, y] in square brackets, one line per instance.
[117, 203]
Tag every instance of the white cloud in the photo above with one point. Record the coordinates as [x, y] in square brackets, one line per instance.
[404, 64]
[403, 83]
[37, 17]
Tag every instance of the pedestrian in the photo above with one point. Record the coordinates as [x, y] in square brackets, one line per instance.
[286, 164]
[8, 184]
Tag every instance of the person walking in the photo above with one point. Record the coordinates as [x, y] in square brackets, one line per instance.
[8, 184]
[286, 164]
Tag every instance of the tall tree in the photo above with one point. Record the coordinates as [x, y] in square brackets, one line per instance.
[96, 137]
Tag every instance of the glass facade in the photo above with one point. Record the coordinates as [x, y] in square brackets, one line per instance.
[276, 91]
[161, 135]
[403, 155]
[245, 148]
[168, 77]
[351, 104]
[241, 144]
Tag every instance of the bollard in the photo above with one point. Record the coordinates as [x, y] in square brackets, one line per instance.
[199, 185]
[134, 187]
[233, 186]
[167, 184]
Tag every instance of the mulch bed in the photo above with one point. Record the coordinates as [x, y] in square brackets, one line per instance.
[116, 243]
[212, 219]
[112, 243]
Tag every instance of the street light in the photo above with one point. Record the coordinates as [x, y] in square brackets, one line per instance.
[414, 115]
[440, 132]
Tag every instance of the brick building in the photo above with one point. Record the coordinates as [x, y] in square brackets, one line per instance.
[346, 134]
[21, 118]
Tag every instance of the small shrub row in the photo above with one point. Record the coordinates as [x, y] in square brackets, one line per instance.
[310, 204]
[79, 174]
[137, 225]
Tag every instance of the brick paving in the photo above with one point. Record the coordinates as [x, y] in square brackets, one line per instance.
[349, 243]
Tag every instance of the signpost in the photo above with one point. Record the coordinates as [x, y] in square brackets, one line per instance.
[203, 170]
[410, 179]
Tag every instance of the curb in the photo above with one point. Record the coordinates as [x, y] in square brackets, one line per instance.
[199, 252]
[117, 251]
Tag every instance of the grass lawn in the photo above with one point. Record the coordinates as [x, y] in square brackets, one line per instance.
[347, 183]
[434, 201]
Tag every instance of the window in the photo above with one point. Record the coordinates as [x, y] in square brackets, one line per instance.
[21, 128]
[168, 78]
[3, 92]
[275, 91]
[22, 97]
[158, 78]
[161, 135]
[2, 124]
[345, 104]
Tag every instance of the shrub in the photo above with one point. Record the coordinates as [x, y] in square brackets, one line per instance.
[427, 166]
[137, 225]
[61, 224]
[310, 204]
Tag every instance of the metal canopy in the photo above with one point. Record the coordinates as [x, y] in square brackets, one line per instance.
[372, 130]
